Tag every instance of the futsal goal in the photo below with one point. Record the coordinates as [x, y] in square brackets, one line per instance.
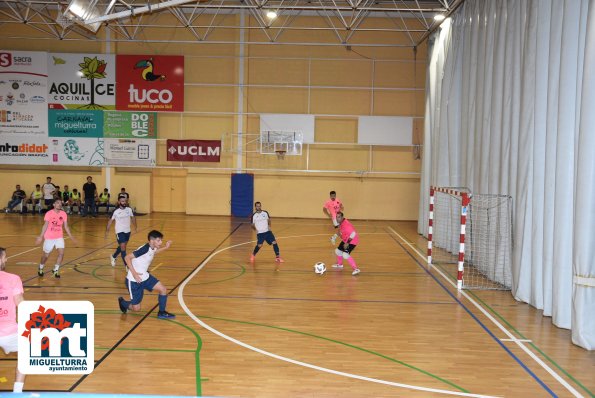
[470, 236]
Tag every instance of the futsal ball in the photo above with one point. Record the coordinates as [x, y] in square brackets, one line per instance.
[319, 268]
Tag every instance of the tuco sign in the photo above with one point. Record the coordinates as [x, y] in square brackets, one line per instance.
[150, 83]
[193, 150]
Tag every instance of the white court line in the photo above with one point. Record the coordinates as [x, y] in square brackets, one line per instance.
[26, 251]
[494, 321]
[304, 364]
[521, 340]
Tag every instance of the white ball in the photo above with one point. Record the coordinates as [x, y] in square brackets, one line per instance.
[320, 268]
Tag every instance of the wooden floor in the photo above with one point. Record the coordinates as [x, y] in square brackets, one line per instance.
[396, 330]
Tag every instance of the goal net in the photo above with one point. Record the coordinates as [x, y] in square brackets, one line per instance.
[470, 236]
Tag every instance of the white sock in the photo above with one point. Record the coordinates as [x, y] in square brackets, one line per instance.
[18, 387]
[56, 267]
[41, 266]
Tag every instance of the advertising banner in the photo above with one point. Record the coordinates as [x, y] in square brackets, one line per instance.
[81, 81]
[23, 92]
[76, 151]
[193, 150]
[24, 149]
[130, 152]
[150, 83]
[56, 337]
[130, 124]
[75, 123]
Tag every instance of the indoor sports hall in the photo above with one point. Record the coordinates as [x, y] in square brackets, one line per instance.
[425, 183]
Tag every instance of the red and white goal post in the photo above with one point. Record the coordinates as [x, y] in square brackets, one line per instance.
[473, 232]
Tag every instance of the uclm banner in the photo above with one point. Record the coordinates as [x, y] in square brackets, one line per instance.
[193, 150]
[150, 83]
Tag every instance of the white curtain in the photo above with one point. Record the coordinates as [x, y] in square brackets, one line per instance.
[510, 109]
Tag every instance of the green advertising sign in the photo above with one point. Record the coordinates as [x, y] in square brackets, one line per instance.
[75, 123]
[130, 124]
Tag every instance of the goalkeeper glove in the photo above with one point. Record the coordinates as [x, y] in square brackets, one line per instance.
[334, 239]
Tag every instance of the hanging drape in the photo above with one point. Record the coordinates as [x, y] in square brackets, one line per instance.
[510, 109]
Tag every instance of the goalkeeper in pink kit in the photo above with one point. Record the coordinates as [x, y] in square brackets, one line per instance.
[349, 239]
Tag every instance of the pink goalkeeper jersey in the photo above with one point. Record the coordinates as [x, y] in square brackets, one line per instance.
[55, 221]
[10, 286]
[333, 206]
[345, 229]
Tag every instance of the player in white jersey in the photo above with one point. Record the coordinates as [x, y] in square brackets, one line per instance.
[139, 279]
[123, 215]
[261, 223]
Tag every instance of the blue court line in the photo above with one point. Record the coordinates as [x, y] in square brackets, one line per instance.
[483, 326]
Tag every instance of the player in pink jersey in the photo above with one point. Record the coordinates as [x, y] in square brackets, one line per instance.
[349, 239]
[332, 207]
[11, 294]
[55, 219]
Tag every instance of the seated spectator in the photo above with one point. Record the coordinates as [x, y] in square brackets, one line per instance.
[76, 200]
[57, 193]
[17, 197]
[35, 198]
[67, 200]
[104, 200]
[125, 195]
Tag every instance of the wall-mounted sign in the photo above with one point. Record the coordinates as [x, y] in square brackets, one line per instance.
[130, 124]
[81, 81]
[193, 150]
[150, 83]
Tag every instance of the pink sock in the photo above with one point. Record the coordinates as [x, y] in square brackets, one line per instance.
[351, 262]
[340, 260]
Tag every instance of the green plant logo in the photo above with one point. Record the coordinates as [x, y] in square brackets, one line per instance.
[93, 69]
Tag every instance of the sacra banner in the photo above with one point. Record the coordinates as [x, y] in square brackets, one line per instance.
[23, 92]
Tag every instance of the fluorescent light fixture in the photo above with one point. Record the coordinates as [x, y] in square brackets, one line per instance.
[79, 11]
[271, 14]
[439, 17]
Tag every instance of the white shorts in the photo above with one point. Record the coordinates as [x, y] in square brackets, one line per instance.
[10, 343]
[49, 244]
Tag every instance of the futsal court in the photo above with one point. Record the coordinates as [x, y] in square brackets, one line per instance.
[400, 328]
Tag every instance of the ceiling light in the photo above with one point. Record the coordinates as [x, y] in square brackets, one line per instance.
[79, 11]
[439, 17]
[271, 14]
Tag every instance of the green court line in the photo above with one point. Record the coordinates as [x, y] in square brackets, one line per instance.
[196, 351]
[242, 272]
[341, 343]
[518, 333]
[94, 274]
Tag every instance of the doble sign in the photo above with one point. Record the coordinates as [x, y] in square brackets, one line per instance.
[193, 150]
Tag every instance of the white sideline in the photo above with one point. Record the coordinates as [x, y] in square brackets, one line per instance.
[307, 365]
[494, 321]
